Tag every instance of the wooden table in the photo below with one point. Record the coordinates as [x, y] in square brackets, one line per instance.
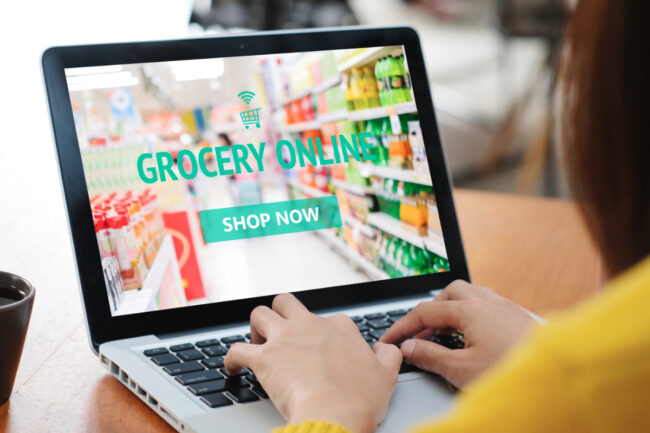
[534, 251]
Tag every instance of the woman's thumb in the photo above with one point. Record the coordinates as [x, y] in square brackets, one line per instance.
[388, 355]
[428, 355]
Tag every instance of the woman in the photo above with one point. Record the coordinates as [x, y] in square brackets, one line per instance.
[587, 371]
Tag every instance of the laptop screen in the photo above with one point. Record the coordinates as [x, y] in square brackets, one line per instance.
[228, 178]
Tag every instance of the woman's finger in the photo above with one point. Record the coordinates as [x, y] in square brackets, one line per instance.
[241, 355]
[287, 305]
[459, 289]
[431, 356]
[263, 319]
[425, 334]
[434, 315]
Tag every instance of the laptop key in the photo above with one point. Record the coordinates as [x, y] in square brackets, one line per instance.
[248, 336]
[399, 312]
[407, 367]
[362, 327]
[165, 359]
[257, 389]
[185, 367]
[205, 343]
[395, 318]
[216, 400]
[198, 377]
[377, 333]
[379, 323]
[190, 355]
[236, 383]
[179, 347]
[218, 385]
[215, 350]
[356, 319]
[374, 316]
[232, 339]
[215, 362]
[156, 351]
[243, 395]
[251, 379]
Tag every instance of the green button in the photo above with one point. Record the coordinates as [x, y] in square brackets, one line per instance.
[268, 219]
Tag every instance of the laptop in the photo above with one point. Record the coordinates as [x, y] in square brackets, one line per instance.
[204, 176]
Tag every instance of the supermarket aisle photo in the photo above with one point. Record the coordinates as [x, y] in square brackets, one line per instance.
[153, 252]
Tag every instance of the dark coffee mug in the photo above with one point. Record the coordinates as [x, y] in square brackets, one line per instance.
[16, 301]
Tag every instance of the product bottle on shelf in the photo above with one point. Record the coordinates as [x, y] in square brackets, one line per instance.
[358, 95]
[404, 140]
[376, 126]
[385, 134]
[379, 77]
[374, 141]
[406, 79]
[307, 108]
[419, 260]
[347, 91]
[370, 87]
[420, 163]
[393, 73]
[118, 224]
[407, 261]
[396, 248]
[102, 233]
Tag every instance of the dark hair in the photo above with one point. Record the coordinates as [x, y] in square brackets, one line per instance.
[606, 125]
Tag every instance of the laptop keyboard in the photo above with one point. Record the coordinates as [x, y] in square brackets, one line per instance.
[199, 366]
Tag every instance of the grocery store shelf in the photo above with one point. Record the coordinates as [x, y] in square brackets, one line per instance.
[145, 299]
[302, 126]
[355, 189]
[333, 117]
[363, 263]
[315, 89]
[359, 225]
[384, 111]
[366, 56]
[325, 84]
[367, 169]
[311, 191]
[353, 116]
[435, 243]
[395, 227]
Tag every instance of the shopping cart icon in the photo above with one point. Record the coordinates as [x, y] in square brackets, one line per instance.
[250, 117]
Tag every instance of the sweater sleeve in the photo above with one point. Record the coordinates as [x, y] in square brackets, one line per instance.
[311, 427]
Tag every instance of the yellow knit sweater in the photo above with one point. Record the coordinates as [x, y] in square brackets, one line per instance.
[588, 371]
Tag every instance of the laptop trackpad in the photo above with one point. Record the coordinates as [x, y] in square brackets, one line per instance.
[414, 401]
[417, 397]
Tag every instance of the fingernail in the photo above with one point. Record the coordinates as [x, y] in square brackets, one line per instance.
[407, 347]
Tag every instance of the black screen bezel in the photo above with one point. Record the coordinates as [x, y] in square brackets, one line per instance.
[101, 324]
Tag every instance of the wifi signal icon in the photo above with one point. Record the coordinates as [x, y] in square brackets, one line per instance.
[246, 96]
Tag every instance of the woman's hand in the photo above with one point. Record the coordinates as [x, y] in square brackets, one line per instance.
[317, 368]
[490, 323]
